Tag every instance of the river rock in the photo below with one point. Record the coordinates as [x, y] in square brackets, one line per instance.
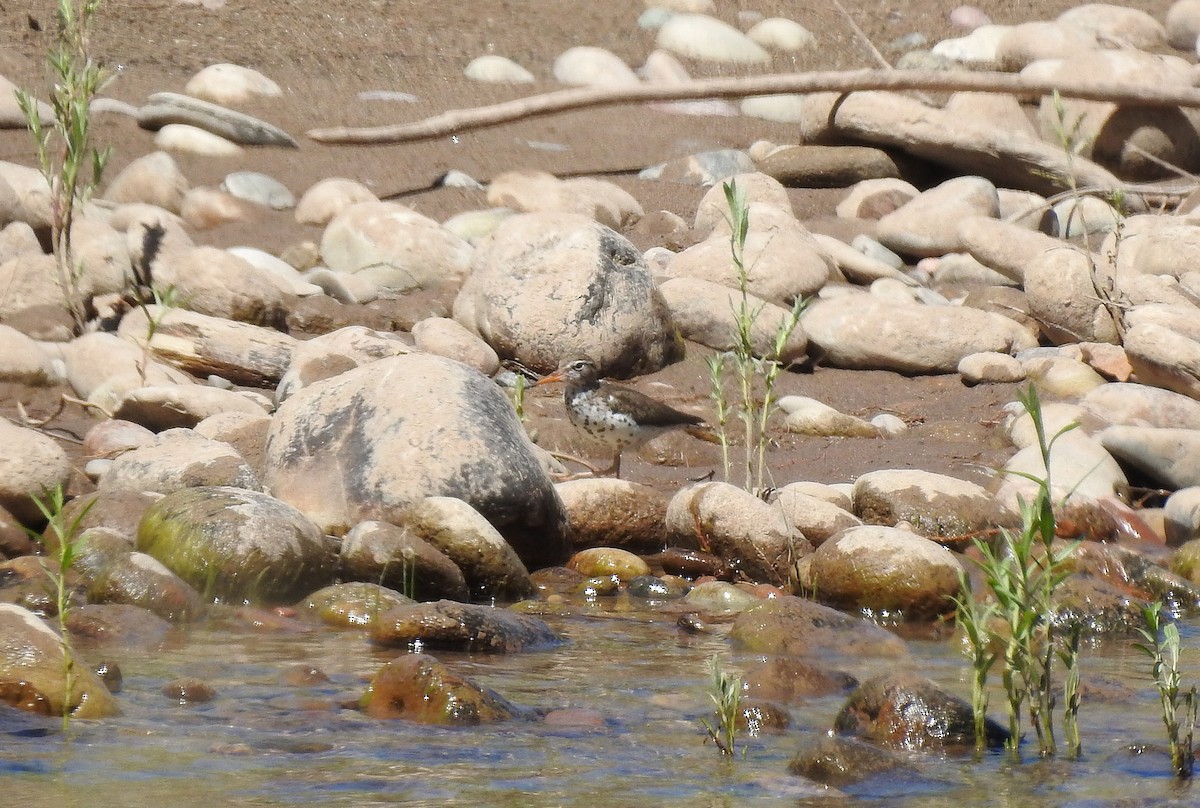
[117, 511]
[1028, 42]
[990, 367]
[845, 332]
[907, 711]
[794, 681]
[398, 559]
[184, 139]
[1182, 24]
[1117, 25]
[719, 598]
[859, 266]
[928, 224]
[237, 546]
[31, 464]
[453, 433]
[738, 527]
[757, 189]
[417, 687]
[497, 69]
[490, 565]
[178, 459]
[1163, 357]
[818, 519]
[544, 286]
[32, 671]
[256, 187]
[216, 282]
[781, 34]
[706, 312]
[609, 512]
[936, 505]
[886, 570]
[162, 407]
[797, 627]
[783, 261]
[588, 66]
[462, 627]
[165, 108]
[977, 49]
[327, 198]
[1080, 468]
[115, 573]
[834, 761]
[154, 179]
[117, 626]
[815, 166]
[807, 416]
[698, 36]
[398, 248]
[596, 562]
[1168, 456]
[102, 367]
[1181, 516]
[355, 604]
[328, 355]
[23, 361]
[231, 85]
[532, 191]
[445, 337]
[1125, 139]
[1005, 247]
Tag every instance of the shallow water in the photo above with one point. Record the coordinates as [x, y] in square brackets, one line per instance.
[261, 742]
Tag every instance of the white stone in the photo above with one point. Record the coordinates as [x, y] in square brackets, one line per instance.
[497, 69]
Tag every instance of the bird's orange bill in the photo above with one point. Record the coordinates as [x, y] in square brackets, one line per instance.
[556, 376]
[702, 432]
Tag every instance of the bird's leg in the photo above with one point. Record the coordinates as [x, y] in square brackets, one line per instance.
[615, 468]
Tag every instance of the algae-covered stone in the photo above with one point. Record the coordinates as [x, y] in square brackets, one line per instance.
[357, 604]
[608, 561]
[32, 669]
[418, 687]
[798, 627]
[115, 573]
[237, 546]
[397, 558]
[462, 627]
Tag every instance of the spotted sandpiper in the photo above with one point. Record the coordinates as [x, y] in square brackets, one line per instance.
[616, 416]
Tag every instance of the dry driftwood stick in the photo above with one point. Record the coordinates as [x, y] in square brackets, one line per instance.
[463, 120]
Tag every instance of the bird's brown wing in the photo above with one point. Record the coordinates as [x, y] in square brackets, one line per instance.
[648, 411]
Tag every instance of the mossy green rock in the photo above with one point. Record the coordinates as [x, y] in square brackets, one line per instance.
[238, 546]
[355, 604]
[418, 687]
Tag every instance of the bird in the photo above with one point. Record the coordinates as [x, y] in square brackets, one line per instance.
[616, 416]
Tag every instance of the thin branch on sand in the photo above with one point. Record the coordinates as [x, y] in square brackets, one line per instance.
[463, 120]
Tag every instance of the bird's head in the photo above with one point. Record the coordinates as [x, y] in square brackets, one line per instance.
[576, 370]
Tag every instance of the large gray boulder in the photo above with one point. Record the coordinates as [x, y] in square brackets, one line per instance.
[378, 439]
[548, 285]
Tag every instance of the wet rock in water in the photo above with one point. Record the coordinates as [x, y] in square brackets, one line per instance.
[462, 627]
[791, 680]
[117, 625]
[886, 569]
[238, 546]
[719, 598]
[837, 761]
[689, 563]
[937, 505]
[607, 512]
[350, 449]
[906, 711]
[608, 561]
[490, 565]
[739, 527]
[555, 581]
[32, 671]
[356, 604]
[189, 690]
[547, 285]
[115, 573]
[797, 627]
[396, 558]
[757, 716]
[30, 462]
[649, 587]
[176, 460]
[420, 688]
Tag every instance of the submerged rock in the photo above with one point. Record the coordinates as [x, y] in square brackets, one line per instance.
[906, 711]
[797, 627]
[356, 604]
[462, 627]
[32, 669]
[837, 761]
[418, 687]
